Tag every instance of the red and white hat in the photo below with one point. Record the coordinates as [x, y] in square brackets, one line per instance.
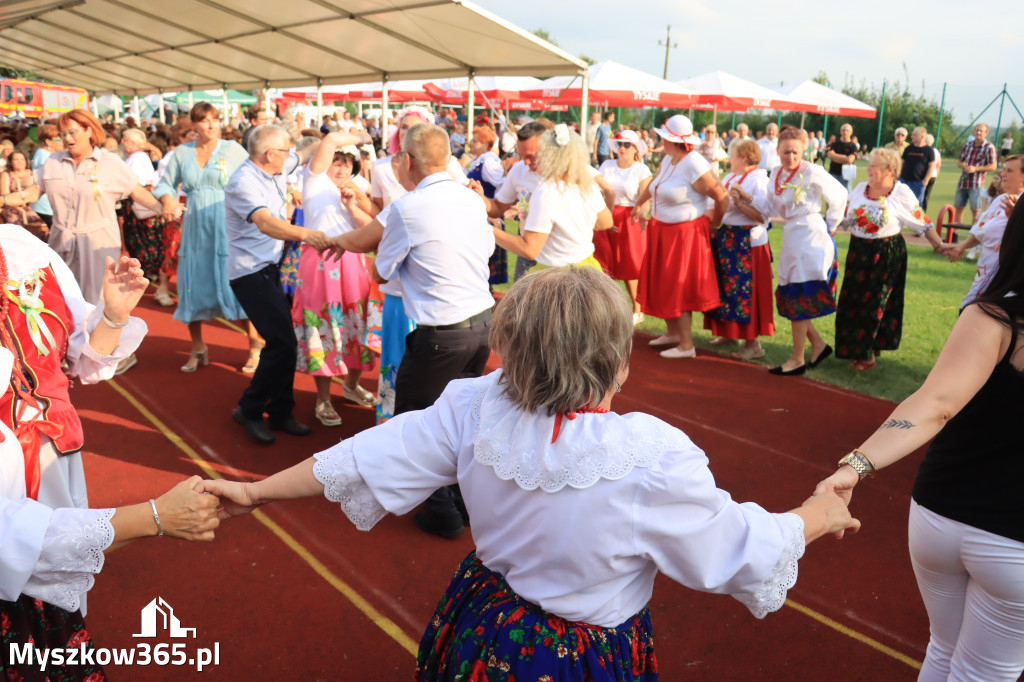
[678, 129]
[631, 137]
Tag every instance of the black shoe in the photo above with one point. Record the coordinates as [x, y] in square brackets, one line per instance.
[778, 371]
[254, 427]
[822, 356]
[290, 426]
[439, 525]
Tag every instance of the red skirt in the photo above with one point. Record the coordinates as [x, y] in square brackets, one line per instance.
[620, 251]
[762, 309]
[678, 273]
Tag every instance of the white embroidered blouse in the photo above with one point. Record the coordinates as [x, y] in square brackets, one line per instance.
[50, 549]
[580, 527]
[878, 218]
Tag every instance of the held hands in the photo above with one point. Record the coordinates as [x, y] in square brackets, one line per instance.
[318, 240]
[172, 211]
[235, 498]
[952, 251]
[336, 249]
[186, 513]
[739, 194]
[831, 509]
[123, 286]
[476, 187]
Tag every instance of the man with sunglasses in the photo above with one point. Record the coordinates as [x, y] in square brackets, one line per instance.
[257, 223]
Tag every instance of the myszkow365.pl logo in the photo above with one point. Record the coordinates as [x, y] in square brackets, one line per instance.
[157, 617]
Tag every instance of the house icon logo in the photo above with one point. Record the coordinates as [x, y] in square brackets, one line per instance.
[159, 612]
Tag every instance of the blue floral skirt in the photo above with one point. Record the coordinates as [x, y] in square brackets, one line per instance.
[808, 300]
[483, 631]
[395, 326]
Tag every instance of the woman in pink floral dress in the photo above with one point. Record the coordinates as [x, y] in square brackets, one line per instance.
[329, 308]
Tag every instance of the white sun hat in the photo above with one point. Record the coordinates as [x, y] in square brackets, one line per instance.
[678, 129]
[631, 137]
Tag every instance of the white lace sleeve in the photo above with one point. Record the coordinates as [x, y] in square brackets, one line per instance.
[72, 553]
[85, 363]
[772, 594]
[336, 469]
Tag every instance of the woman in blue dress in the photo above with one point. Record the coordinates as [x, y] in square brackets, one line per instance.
[202, 169]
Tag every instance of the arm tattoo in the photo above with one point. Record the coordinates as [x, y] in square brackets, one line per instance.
[897, 424]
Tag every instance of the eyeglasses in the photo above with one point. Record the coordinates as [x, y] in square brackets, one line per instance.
[69, 133]
[626, 145]
[278, 149]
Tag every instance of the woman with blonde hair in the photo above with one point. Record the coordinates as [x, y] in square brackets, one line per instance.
[143, 227]
[678, 273]
[807, 265]
[743, 259]
[620, 250]
[870, 314]
[565, 555]
[565, 209]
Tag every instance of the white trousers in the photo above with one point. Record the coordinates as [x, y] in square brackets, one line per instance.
[972, 583]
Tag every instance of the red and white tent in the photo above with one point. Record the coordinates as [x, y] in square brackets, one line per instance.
[398, 91]
[614, 85]
[493, 88]
[725, 92]
[817, 98]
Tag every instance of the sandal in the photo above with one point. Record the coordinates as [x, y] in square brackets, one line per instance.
[253, 362]
[358, 395]
[196, 358]
[125, 365]
[326, 414]
[163, 298]
[862, 366]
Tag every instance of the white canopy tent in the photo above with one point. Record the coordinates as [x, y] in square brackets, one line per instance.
[141, 48]
[816, 98]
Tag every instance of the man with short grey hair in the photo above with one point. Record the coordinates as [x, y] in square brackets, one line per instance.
[769, 145]
[899, 142]
[438, 240]
[257, 222]
[918, 163]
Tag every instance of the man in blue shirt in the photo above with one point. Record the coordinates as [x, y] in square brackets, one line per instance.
[604, 133]
[255, 208]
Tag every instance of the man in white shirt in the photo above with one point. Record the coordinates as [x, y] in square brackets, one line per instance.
[254, 207]
[438, 240]
[769, 145]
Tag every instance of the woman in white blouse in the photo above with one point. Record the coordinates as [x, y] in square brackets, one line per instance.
[144, 227]
[870, 315]
[620, 250]
[51, 543]
[743, 260]
[575, 508]
[565, 209]
[677, 277]
[808, 263]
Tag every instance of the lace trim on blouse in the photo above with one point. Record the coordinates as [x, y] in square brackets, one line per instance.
[336, 469]
[772, 594]
[517, 446]
[72, 553]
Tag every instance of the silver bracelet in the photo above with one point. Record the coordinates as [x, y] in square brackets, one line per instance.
[156, 517]
[115, 325]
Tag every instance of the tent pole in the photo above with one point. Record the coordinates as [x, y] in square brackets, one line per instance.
[190, 98]
[160, 106]
[824, 132]
[227, 111]
[266, 99]
[135, 109]
[583, 103]
[999, 121]
[881, 116]
[384, 113]
[732, 126]
[803, 119]
[714, 117]
[95, 106]
[942, 107]
[470, 100]
[319, 101]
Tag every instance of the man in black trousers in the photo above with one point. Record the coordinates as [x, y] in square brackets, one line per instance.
[438, 240]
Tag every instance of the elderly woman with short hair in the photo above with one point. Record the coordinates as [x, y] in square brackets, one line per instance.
[143, 227]
[566, 555]
[870, 314]
[565, 209]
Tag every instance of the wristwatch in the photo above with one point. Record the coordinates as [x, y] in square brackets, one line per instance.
[861, 464]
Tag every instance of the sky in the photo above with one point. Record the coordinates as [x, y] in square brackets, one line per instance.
[868, 41]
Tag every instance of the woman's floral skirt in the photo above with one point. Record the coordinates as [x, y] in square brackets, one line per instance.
[329, 311]
[483, 631]
[45, 626]
[870, 315]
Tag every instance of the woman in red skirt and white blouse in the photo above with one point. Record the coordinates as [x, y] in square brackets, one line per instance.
[678, 272]
[620, 250]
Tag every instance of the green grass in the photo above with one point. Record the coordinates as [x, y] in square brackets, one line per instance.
[935, 288]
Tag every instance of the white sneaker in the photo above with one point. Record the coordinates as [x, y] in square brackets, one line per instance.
[676, 354]
[664, 340]
[637, 318]
[972, 254]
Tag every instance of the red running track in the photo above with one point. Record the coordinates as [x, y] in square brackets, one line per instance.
[297, 593]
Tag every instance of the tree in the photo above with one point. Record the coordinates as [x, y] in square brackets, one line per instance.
[543, 34]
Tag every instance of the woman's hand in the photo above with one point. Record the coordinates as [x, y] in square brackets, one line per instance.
[739, 194]
[841, 483]
[186, 513]
[829, 513]
[172, 210]
[123, 286]
[235, 498]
